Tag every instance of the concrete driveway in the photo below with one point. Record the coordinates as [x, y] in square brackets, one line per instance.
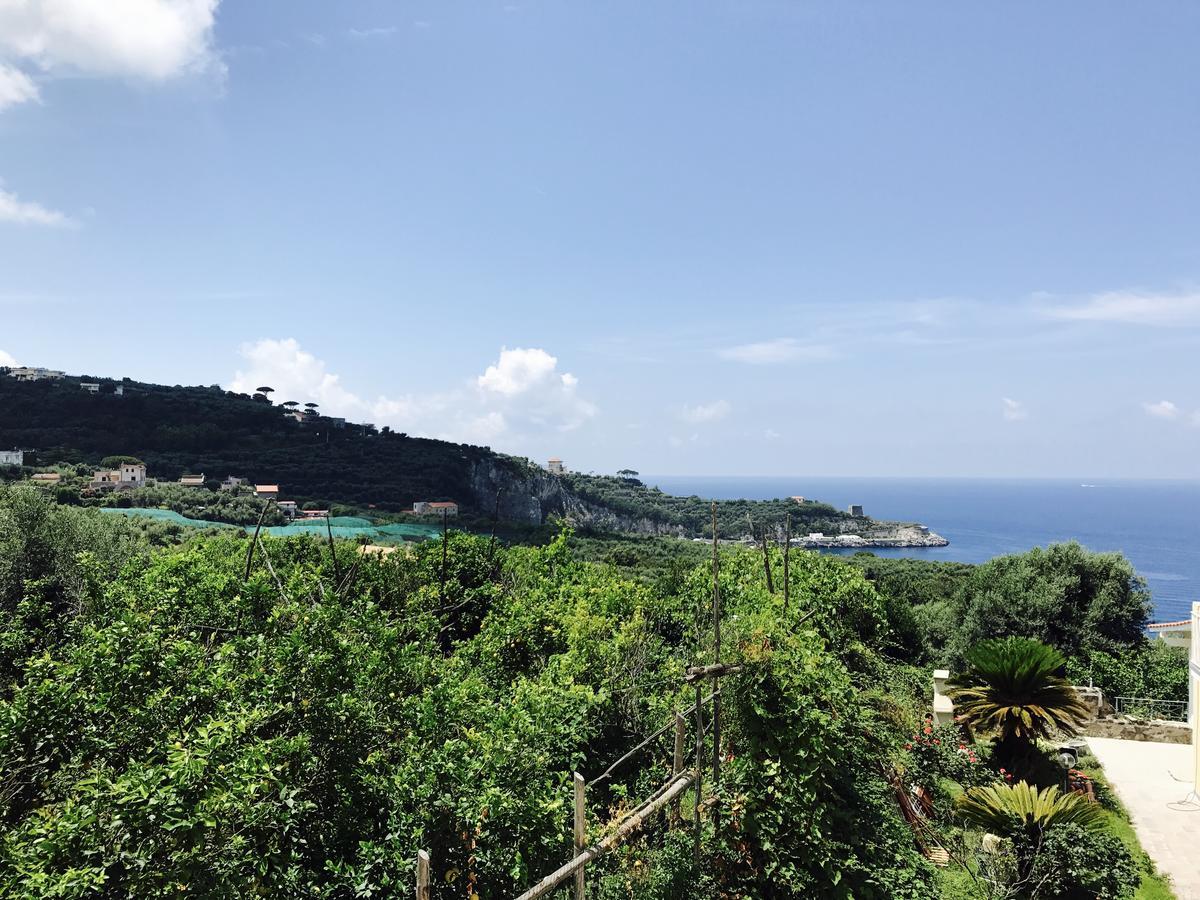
[1152, 780]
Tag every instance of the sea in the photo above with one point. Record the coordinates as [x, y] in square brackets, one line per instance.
[1156, 524]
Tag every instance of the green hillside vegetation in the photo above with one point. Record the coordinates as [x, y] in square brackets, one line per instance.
[189, 430]
[734, 517]
[170, 727]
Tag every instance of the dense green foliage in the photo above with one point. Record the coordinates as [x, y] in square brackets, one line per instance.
[1090, 606]
[168, 727]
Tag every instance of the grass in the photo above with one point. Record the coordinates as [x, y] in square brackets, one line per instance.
[1154, 886]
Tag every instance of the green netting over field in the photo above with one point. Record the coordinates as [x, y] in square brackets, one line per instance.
[342, 526]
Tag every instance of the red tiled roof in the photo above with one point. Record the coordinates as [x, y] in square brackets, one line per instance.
[1178, 624]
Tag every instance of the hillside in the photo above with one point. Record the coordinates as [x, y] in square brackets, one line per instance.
[208, 430]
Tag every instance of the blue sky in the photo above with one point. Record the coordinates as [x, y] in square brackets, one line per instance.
[744, 237]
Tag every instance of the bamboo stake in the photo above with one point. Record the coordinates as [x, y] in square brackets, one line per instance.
[254, 541]
[699, 770]
[716, 614]
[787, 551]
[580, 832]
[423, 892]
[767, 561]
[445, 551]
[337, 572]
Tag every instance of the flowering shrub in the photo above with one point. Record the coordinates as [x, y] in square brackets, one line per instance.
[940, 752]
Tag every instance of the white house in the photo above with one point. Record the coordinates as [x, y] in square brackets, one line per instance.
[554, 466]
[28, 373]
[232, 482]
[92, 387]
[129, 475]
[12, 457]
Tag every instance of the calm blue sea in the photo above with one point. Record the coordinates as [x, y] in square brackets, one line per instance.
[1156, 524]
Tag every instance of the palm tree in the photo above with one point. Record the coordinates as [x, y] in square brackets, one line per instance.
[1011, 810]
[1013, 690]
[1023, 814]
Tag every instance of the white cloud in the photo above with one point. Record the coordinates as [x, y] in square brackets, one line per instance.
[706, 412]
[779, 350]
[1134, 308]
[1014, 410]
[1163, 409]
[518, 370]
[23, 212]
[151, 39]
[15, 86]
[516, 398]
[362, 33]
[6, 359]
[772, 435]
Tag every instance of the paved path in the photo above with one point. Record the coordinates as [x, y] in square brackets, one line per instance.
[1146, 776]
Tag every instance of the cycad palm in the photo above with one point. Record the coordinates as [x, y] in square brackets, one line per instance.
[1014, 809]
[1012, 689]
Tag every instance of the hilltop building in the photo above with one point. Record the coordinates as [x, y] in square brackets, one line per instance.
[12, 457]
[555, 466]
[856, 510]
[798, 499]
[92, 387]
[34, 373]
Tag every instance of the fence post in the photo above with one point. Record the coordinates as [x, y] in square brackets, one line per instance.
[423, 875]
[580, 831]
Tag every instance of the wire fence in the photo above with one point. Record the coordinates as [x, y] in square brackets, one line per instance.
[1151, 708]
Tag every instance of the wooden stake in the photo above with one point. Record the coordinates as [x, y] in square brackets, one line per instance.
[699, 769]
[580, 831]
[423, 892]
[767, 561]
[337, 572]
[254, 540]
[445, 551]
[677, 763]
[787, 551]
[716, 614]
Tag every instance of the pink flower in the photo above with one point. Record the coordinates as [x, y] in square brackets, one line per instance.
[928, 730]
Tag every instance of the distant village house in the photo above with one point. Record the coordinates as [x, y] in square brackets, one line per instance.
[555, 466]
[267, 491]
[287, 507]
[314, 514]
[192, 480]
[232, 483]
[129, 475]
[91, 387]
[12, 457]
[46, 478]
[435, 507]
[856, 510]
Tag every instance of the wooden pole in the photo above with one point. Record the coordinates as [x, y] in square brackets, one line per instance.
[580, 831]
[665, 795]
[677, 763]
[787, 551]
[699, 769]
[445, 551]
[716, 614]
[767, 561]
[423, 892]
[254, 540]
